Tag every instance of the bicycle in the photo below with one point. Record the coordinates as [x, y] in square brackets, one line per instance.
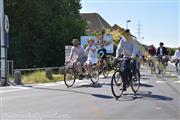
[162, 62]
[103, 68]
[151, 62]
[119, 83]
[71, 74]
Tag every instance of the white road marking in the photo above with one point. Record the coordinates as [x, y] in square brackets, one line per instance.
[16, 89]
[157, 108]
[50, 84]
[177, 81]
[143, 82]
[160, 81]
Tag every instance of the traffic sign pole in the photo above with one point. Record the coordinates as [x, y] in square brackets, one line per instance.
[3, 47]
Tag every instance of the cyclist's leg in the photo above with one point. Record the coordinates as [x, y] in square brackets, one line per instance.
[76, 67]
[81, 63]
[125, 72]
[89, 68]
[176, 62]
[80, 70]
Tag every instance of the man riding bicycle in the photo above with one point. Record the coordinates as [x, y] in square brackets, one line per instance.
[128, 48]
[77, 57]
[162, 53]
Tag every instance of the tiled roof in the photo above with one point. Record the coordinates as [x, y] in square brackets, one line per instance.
[95, 22]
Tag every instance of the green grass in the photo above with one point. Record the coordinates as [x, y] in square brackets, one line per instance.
[40, 77]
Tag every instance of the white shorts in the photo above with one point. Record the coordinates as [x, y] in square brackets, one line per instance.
[91, 60]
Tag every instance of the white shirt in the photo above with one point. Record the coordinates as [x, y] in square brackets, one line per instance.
[90, 53]
[92, 56]
[76, 52]
[127, 48]
[161, 51]
[177, 54]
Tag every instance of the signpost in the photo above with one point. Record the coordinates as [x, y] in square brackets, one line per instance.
[3, 45]
[6, 27]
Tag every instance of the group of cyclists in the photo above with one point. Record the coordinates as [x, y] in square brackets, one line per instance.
[127, 52]
[161, 53]
[86, 57]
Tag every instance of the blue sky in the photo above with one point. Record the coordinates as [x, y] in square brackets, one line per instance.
[159, 19]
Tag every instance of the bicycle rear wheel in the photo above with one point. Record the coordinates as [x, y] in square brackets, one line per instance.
[117, 84]
[95, 74]
[153, 69]
[69, 77]
[135, 81]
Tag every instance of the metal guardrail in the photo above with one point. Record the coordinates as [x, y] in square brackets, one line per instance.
[35, 69]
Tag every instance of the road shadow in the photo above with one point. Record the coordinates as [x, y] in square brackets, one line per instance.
[92, 85]
[146, 76]
[102, 96]
[145, 95]
[145, 85]
[88, 85]
[127, 97]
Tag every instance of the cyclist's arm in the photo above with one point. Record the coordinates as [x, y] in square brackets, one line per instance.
[71, 54]
[93, 49]
[119, 48]
[86, 49]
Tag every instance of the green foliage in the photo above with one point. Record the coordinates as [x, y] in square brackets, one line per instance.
[172, 51]
[40, 29]
[40, 77]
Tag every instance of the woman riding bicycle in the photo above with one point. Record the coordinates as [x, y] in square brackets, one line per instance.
[92, 58]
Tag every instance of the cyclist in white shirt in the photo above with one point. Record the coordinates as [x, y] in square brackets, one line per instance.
[77, 57]
[177, 53]
[177, 56]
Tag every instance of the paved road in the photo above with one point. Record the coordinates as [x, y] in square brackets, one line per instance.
[159, 98]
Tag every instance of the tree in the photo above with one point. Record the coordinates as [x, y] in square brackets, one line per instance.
[40, 29]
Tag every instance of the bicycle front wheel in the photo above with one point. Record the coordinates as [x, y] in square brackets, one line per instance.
[69, 77]
[105, 72]
[117, 84]
[95, 74]
[135, 81]
[153, 69]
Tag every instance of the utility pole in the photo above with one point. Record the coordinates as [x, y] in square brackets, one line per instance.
[139, 31]
[3, 46]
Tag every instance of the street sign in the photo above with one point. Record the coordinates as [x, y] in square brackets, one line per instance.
[6, 24]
